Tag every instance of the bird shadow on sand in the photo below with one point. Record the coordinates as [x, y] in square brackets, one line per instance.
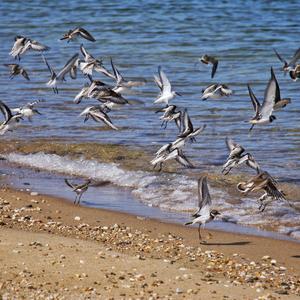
[242, 243]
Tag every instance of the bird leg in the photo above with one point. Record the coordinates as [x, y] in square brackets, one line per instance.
[75, 199]
[79, 198]
[251, 127]
[199, 233]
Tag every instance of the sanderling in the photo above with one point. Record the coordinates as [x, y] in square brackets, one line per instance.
[16, 69]
[28, 110]
[10, 121]
[123, 85]
[22, 44]
[70, 67]
[216, 91]
[104, 93]
[99, 114]
[168, 152]
[84, 92]
[263, 113]
[78, 31]
[287, 66]
[170, 114]
[79, 189]
[188, 132]
[166, 93]
[206, 59]
[90, 63]
[237, 157]
[265, 182]
[204, 213]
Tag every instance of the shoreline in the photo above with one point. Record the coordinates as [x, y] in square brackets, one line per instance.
[226, 260]
[110, 153]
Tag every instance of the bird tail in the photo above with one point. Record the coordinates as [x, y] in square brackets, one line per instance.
[188, 223]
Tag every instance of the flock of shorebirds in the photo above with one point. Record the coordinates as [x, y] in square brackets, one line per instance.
[110, 96]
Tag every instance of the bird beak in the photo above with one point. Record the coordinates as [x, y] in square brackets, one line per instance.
[178, 94]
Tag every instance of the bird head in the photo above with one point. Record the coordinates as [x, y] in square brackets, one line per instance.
[214, 213]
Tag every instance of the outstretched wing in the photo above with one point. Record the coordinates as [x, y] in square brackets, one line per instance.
[85, 34]
[187, 125]
[255, 102]
[279, 57]
[182, 159]
[269, 98]
[5, 111]
[34, 45]
[277, 91]
[70, 184]
[230, 144]
[68, 67]
[203, 193]
[118, 76]
[295, 58]
[158, 82]
[166, 85]
[214, 68]
[48, 66]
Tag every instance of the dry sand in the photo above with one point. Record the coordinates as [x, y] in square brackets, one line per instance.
[52, 249]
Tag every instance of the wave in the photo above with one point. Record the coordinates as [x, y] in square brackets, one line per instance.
[168, 191]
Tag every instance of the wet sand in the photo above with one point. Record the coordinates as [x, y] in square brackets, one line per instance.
[51, 247]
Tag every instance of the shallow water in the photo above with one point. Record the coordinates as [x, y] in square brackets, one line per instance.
[112, 197]
[139, 37]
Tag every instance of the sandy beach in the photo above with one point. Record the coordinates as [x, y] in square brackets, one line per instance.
[52, 249]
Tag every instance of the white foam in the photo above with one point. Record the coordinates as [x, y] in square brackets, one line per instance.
[171, 192]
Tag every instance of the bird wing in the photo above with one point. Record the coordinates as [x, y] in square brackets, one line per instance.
[72, 186]
[197, 131]
[84, 52]
[73, 72]
[187, 125]
[5, 111]
[178, 121]
[85, 34]
[11, 66]
[48, 66]
[225, 90]
[158, 82]
[25, 74]
[36, 46]
[211, 88]
[279, 57]
[163, 148]
[203, 192]
[214, 68]
[103, 70]
[230, 144]
[182, 159]
[277, 92]
[269, 98]
[67, 68]
[99, 115]
[295, 58]
[166, 85]
[255, 102]
[204, 199]
[119, 78]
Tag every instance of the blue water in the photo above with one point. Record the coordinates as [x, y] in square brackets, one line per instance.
[139, 36]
